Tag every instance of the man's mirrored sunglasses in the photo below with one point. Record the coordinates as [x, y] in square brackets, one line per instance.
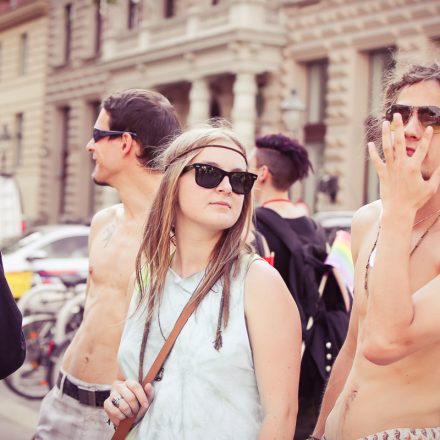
[209, 176]
[427, 115]
[99, 134]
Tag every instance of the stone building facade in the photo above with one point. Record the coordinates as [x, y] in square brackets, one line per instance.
[23, 72]
[351, 44]
[239, 59]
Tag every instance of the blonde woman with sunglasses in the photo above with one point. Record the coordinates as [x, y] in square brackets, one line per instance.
[233, 371]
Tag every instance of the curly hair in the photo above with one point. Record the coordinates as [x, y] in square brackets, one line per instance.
[273, 150]
[403, 76]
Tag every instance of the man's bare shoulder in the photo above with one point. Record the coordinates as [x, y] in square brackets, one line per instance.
[367, 215]
[105, 216]
[363, 220]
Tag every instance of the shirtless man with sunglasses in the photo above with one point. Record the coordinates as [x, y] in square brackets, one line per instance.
[385, 382]
[127, 136]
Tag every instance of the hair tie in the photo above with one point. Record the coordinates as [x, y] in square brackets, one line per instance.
[209, 145]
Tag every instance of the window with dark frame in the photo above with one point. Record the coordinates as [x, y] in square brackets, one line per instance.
[132, 14]
[68, 32]
[23, 62]
[170, 8]
[19, 126]
[381, 62]
[315, 128]
[98, 27]
[316, 101]
[65, 116]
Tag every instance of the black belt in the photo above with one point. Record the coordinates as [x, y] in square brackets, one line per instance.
[83, 395]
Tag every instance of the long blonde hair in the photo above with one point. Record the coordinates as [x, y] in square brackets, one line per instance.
[158, 239]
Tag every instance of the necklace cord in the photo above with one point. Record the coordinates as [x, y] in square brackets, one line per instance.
[418, 241]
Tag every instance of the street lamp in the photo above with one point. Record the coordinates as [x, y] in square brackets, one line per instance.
[4, 137]
[292, 109]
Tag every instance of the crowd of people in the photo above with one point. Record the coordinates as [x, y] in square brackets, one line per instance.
[189, 333]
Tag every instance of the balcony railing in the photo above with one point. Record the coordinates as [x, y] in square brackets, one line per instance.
[196, 23]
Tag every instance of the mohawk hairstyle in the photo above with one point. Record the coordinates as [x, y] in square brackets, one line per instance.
[272, 151]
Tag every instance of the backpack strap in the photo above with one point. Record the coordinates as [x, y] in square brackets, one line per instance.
[280, 227]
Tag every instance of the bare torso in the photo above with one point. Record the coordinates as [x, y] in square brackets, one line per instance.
[403, 394]
[114, 244]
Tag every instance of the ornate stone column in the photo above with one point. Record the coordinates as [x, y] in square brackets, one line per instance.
[199, 97]
[243, 111]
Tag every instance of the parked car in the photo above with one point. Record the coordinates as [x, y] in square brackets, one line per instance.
[333, 221]
[45, 253]
[12, 223]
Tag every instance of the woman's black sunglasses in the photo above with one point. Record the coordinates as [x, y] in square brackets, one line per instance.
[427, 115]
[208, 176]
[99, 134]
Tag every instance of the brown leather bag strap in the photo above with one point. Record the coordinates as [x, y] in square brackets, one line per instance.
[125, 426]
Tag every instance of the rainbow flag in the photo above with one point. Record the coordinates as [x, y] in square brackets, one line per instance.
[340, 258]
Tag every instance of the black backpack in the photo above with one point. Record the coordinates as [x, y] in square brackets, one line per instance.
[322, 309]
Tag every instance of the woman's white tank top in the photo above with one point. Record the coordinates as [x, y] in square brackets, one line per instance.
[204, 393]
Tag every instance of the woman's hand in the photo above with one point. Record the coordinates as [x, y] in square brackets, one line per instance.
[127, 399]
[402, 184]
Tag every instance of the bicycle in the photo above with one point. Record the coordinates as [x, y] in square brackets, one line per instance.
[45, 334]
[49, 298]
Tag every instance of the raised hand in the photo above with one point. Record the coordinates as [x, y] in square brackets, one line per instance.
[402, 185]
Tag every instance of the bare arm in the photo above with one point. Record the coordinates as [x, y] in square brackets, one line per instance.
[399, 322]
[132, 398]
[275, 335]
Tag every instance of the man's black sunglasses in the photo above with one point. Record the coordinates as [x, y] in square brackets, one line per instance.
[99, 134]
[427, 115]
[208, 176]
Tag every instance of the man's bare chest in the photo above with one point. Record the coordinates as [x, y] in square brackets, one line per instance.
[113, 255]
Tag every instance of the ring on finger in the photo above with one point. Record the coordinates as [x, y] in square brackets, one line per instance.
[115, 401]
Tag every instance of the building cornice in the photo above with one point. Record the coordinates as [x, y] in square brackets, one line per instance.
[231, 41]
[27, 11]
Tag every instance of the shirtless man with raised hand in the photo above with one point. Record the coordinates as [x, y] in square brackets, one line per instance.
[385, 382]
[127, 136]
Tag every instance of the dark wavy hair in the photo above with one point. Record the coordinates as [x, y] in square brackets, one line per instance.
[273, 150]
[148, 114]
[403, 76]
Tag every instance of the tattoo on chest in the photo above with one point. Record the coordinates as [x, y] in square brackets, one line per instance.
[108, 233]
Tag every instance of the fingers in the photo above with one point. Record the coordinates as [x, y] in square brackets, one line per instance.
[434, 180]
[375, 158]
[126, 400]
[387, 142]
[139, 393]
[129, 405]
[149, 391]
[423, 147]
[399, 136]
[114, 413]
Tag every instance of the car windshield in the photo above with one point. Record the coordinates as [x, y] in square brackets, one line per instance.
[16, 244]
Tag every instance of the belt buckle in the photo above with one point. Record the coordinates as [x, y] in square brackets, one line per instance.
[86, 397]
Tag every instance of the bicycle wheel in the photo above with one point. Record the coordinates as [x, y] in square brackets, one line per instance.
[55, 361]
[70, 327]
[30, 380]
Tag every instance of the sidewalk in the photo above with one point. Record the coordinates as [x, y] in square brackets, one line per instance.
[18, 416]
